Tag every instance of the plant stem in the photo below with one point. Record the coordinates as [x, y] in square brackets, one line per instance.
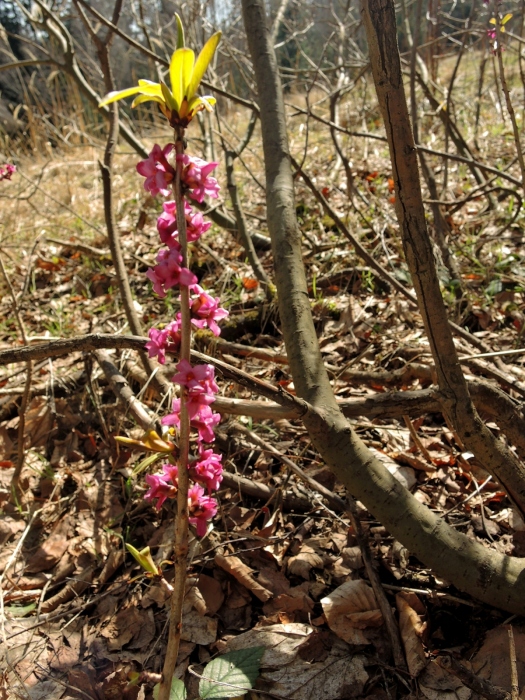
[15, 486]
[181, 522]
[508, 101]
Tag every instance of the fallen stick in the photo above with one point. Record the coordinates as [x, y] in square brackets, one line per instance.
[123, 391]
[488, 398]
[479, 685]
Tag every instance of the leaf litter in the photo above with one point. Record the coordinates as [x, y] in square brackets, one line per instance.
[81, 621]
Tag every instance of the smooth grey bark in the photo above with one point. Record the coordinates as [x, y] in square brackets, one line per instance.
[485, 574]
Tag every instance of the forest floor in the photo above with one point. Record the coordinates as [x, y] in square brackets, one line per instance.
[79, 619]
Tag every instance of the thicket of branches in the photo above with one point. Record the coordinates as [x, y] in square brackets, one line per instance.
[318, 95]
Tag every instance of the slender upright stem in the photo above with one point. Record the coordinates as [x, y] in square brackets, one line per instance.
[27, 388]
[181, 521]
[508, 101]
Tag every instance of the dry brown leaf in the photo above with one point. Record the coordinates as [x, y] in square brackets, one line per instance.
[193, 600]
[212, 593]
[289, 671]
[75, 587]
[296, 601]
[6, 448]
[340, 572]
[130, 626]
[113, 562]
[304, 562]
[47, 689]
[352, 557]
[9, 527]
[243, 574]
[199, 629]
[411, 628]
[272, 579]
[39, 422]
[352, 607]
[64, 656]
[84, 681]
[492, 660]
[51, 551]
[154, 594]
[236, 611]
[413, 461]
[405, 475]
[437, 684]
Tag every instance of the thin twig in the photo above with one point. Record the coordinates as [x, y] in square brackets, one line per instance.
[505, 88]
[123, 391]
[416, 439]
[514, 683]
[479, 685]
[15, 481]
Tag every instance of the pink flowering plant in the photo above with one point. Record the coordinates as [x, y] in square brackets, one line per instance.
[192, 470]
[7, 171]
[197, 383]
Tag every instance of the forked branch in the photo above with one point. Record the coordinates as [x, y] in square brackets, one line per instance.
[485, 574]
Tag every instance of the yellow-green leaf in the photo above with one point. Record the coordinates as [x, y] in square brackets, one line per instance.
[492, 20]
[149, 87]
[119, 95]
[202, 63]
[145, 87]
[147, 98]
[506, 18]
[147, 462]
[198, 103]
[181, 68]
[187, 70]
[168, 96]
[144, 559]
[180, 32]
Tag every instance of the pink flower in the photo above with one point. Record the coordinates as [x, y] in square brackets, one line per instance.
[162, 486]
[157, 171]
[167, 224]
[201, 416]
[164, 340]
[197, 401]
[205, 421]
[168, 272]
[195, 176]
[207, 310]
[173, 418]
[208, 469]
[199, 378]
[196, 226]
[7, 170]
[201, 509]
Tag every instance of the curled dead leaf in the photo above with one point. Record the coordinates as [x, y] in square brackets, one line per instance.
[351, 608]
[243, 574]
[304, 562]
[412, 627]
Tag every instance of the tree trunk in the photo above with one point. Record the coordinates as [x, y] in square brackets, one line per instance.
[485, 574]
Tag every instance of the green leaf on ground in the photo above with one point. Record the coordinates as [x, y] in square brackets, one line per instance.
[232, 674]
[177, 691]
[20, 610]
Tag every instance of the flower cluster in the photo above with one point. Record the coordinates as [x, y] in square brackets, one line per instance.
[6, 171]
[164, 485]
[492, 32]
[197, 383]
[200, 386]
[196, 178]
